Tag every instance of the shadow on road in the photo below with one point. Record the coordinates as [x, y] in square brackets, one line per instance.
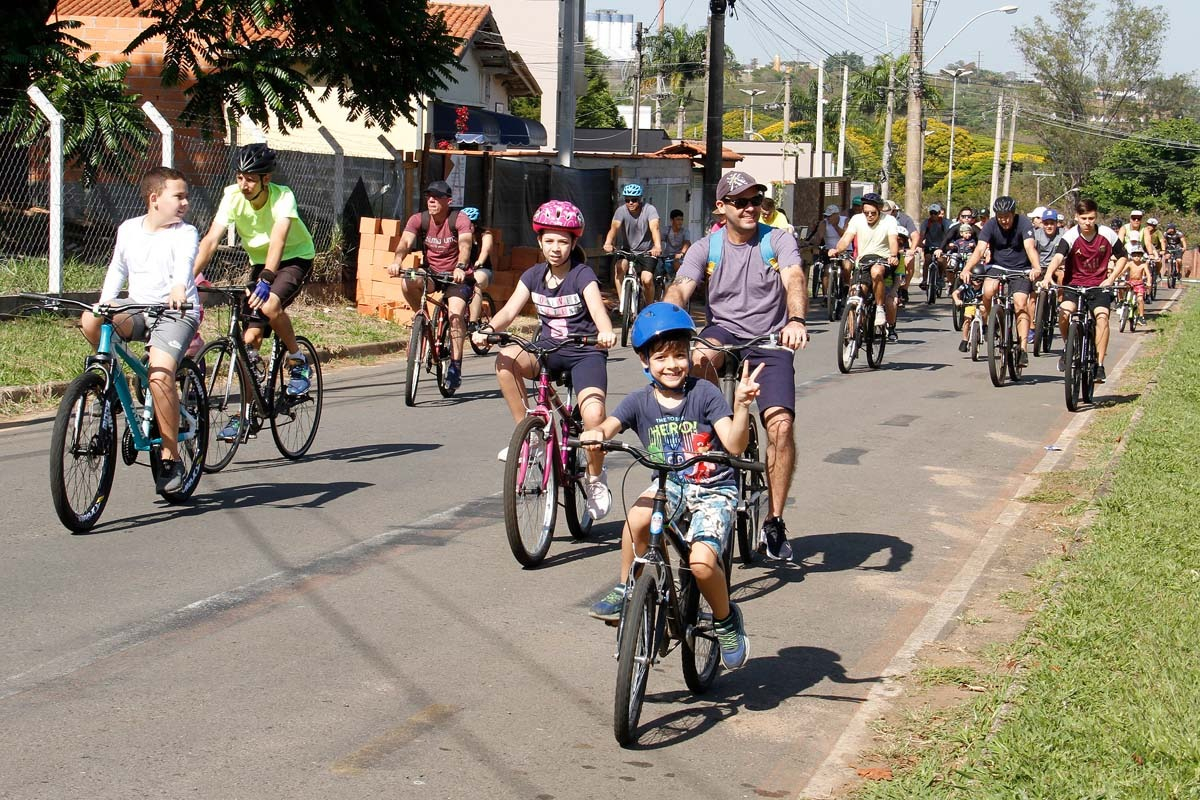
[357, 454]
[604, 538]
[1115, 400]
[850, 550]
[766, 682]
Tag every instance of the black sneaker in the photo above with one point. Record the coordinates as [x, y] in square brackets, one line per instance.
[170, 478]
[962, 345]
[1100, 377]
[775, 539]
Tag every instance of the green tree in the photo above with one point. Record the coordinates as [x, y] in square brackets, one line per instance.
[1090, 63]
[1143, 171]
[260, 57]
[596, 107]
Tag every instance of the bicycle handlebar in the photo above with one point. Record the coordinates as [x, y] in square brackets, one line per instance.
[768, 341]
[530, 346]
[1083, 290]
[441, 279]
[643, 458]
[105, 310]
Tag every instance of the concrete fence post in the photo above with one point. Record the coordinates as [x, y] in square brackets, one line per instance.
[339, 177]
[56, 185]
[164, 128]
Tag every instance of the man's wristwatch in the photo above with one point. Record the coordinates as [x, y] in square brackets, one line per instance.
[801, 320]
[460, 265]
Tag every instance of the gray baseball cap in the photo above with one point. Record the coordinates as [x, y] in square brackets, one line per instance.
[736, 182]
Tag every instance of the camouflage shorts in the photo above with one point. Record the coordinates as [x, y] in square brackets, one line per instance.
[712, 508]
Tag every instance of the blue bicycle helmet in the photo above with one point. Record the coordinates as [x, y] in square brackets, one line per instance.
[472, 213]
[632, 190]
[657, 319]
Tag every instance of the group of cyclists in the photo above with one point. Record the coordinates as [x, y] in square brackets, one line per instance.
[754, 281]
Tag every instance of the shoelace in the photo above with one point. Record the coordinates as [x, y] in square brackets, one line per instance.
[727, 635]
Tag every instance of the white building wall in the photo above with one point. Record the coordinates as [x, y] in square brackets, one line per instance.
[530, 27]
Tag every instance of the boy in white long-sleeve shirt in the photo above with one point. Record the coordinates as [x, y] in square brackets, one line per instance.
[154, 254]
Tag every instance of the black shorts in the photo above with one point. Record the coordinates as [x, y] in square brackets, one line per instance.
[288, 281]
[777, 383]
[1096, 300]
[1017, 284]
[587, 366]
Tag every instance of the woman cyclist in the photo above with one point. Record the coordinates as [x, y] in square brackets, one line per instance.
[566, 294]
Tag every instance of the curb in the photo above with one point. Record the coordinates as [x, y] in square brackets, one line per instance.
[45, 391]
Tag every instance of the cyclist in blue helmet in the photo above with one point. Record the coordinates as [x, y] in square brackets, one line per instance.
[638, 225]
[676, 417]
[480, 261]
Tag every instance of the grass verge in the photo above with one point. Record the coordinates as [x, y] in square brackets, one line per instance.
[1099, 696]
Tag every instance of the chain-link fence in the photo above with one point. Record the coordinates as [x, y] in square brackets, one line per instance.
[101, 190]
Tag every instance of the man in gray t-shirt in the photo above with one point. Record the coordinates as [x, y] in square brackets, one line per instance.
[748, 297]
[638, 225]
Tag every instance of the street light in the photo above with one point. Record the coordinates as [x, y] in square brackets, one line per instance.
[955, 74]
[753, 93]
[1005, 9]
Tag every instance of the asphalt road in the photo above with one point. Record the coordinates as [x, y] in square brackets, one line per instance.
[353, 624]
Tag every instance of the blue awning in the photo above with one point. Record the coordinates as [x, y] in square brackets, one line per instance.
[486, 127]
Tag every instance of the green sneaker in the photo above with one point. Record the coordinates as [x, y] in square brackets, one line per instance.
[608, 608]
[731, 635]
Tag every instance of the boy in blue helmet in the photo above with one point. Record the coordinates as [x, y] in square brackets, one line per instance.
[676, 417]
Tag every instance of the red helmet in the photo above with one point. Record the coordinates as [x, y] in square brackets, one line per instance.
[558, 215]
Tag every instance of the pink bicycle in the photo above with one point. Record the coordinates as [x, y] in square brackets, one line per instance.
[540, 462]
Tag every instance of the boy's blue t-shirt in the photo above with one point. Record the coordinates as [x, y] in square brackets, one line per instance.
[673, 435]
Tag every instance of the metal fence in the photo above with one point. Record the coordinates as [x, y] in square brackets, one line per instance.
[332, 190]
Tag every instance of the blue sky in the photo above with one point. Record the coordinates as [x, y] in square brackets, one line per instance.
[766, 27]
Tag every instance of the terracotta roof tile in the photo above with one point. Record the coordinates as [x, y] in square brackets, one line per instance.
[462, 21]
[96, 8]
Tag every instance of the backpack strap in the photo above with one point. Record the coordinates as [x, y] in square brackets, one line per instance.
[716, 247]
[419, 244]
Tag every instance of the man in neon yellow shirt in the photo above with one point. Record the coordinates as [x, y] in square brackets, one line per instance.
[280, 248]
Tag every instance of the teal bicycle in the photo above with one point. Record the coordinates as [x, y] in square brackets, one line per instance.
[83, 446]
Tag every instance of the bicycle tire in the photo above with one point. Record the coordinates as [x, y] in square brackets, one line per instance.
[876, 343]
[80, 483]
[189, 383]
[748, 524]
[814, 280]
[486, 312]
[995, 346]
[574, 489]
[847, 349]
[931, 286]
[833, 296]
[628, 312]
[975, 336]
[416, 360]
[1012, 345]
[1087, 357]
[530, 492]
[636, 647]
[1039, 324]
[1123, 314]
[295, 419]
[701, 654]
[1072, 373]
[442, 351]
[227, 400]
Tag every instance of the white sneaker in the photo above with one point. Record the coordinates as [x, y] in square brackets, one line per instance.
[880, 316]
[502, 455]
[599, 498]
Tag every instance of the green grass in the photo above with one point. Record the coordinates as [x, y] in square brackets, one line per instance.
[33, 275]
[1109, 700]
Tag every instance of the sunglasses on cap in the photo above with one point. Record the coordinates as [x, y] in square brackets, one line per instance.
[741, 202]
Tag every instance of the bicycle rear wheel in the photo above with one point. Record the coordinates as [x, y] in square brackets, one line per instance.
[83, 452]
[635, 655]
[228, 402]
[996, 346]
[193, 432]
[751, 487]
[848, 338]
[530, 492]
[487, 311]
[295, 418]
[579, 522]
[1072, 368]
[418, 347]
[701, 653]
[441, 324]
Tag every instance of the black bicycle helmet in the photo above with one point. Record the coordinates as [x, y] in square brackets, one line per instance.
[872, 199]
[1005, 205]
[256, 159]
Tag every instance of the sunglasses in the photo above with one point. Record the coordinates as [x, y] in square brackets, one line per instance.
[634, 200]
[1135, 217]
[741, 202]
[966, 216]
[438, 196]
[870, 212]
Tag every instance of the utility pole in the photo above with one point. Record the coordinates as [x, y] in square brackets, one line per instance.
[1039, 176]
[996, 149]
[679, 121]
[914, 168]
[787, 123]
[819, 166]
[637, 92]
[713, 134]
[564, 134]
[886, 182]
[662, 15]
[1012, 134]
[841, 162]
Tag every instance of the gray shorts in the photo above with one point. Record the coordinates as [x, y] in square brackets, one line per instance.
[171, 331]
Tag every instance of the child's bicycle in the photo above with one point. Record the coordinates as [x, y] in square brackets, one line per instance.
[83, 446]
[540, 462]
[1127, 306]
[664, 608]
[429, 342]
[243, 395]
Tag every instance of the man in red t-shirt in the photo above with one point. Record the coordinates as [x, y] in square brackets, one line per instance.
[447, 251]
[1084, 253]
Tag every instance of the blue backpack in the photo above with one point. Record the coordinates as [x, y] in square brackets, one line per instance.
[716, 247]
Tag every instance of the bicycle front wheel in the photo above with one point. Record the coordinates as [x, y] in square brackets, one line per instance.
[847, 338]
[579, 522]
[417, 347]
[228, 402]
[83, 453]
[996, 346]
[628, 310]
[832, 297]
[296, 417]
[636, 646]
[530, 493]
[1072, 369]
[487, 311]
[701, 653]
[193, 432]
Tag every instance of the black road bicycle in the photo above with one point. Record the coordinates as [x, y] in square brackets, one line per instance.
[1003, 338]
[1080, 359]
[858, 331]
[1045, 321]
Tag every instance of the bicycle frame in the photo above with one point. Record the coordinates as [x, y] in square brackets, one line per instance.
[632, 276]
[263, 404]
